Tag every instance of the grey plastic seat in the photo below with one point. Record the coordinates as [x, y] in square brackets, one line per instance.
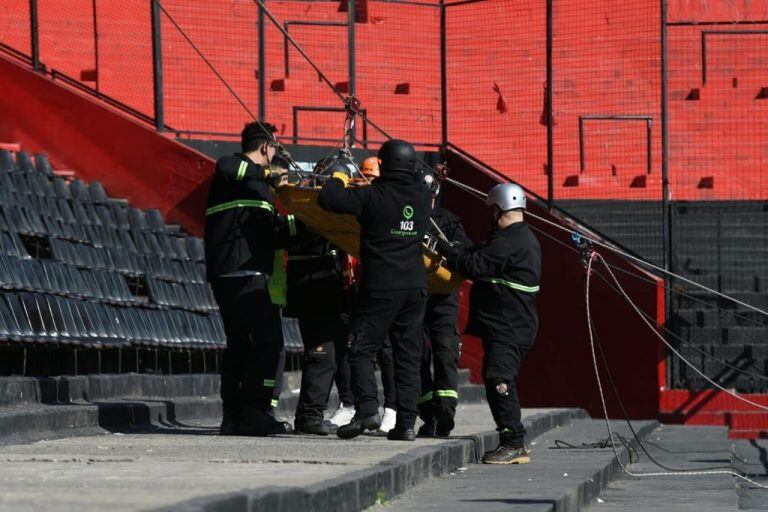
[137, 219]
[196, 249]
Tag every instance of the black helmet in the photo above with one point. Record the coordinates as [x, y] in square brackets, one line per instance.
[337, 166]
[397, 155]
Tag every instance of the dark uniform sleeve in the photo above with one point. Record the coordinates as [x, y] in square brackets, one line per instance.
[233, 169]
[486, 260]
[459, 235]
[335, 197]
[286, 231]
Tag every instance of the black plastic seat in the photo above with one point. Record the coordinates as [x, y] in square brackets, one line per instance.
[137, 219]
[80, 191]
[24, 162]
[61, 189]
[97, 193]
[121, 215]
[155, 221]
[7, 163]
[196, 249]
[43, 165]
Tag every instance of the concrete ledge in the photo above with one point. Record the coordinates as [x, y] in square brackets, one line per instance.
[382, 482]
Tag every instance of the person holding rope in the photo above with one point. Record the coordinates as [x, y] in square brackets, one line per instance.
[505, 271]
[393, 213]
[439, 391]
[243, 237]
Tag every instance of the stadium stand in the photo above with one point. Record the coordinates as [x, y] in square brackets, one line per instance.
[82, 270]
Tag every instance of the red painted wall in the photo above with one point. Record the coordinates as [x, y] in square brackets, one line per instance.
[83, 135]
[606, 58]
[558, 372]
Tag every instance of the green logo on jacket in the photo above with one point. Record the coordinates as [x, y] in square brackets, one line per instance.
[408, 212]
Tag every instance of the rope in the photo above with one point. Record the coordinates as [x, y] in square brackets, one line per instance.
[221, 78]
[623, 467]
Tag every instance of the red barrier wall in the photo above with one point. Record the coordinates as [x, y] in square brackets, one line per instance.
[86, 136]
[606, 60]
[558, 372]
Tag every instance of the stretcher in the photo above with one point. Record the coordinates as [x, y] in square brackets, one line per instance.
[344, 232]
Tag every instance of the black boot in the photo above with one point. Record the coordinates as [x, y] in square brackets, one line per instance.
[444, 425]
[256, 422]
[359, 425]
[429, 428]
[317, 427]
[230, 424]
[401, 434]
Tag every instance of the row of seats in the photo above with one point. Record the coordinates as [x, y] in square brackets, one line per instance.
[66, 249]
[115, 214]
[23, 163]
[23, 220]
[54, 277]
[86, 256]
[184, 295]
[33, 317]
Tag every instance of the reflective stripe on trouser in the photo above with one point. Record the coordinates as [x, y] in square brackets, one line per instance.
[509, 284]
[254, 343]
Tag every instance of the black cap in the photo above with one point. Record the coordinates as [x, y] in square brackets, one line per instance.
[397, 155]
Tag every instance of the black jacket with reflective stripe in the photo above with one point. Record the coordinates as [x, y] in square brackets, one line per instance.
[393, 213]
[315, 281]
[505, 271]
[242, 227]
[445, 308]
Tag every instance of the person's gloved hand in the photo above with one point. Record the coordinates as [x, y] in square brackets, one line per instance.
[448, 249]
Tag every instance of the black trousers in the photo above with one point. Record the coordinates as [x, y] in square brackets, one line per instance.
[320, 336]
[249, 371]
[439, 394]
[399, 314]
[386, 360]
[343, 377]
[501, 364]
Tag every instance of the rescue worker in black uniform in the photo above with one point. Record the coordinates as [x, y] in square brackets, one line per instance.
[505, 271]
[393, 213]
[439, 394]
[243, 233]
[317, 298]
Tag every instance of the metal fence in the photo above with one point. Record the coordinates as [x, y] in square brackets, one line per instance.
[646, 119]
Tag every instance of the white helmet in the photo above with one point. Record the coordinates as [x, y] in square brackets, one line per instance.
[507, 196]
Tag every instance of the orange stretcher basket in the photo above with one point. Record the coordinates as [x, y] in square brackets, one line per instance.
[344, 232]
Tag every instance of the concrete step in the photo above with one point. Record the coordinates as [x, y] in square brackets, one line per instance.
[38, 408]
[555, 480]
[676, 447]
[185, 466]
[751, 457]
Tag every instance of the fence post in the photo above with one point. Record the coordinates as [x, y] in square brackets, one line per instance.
[550, 106]
[262, 68]
[34, 35]
[157, 67]
[665, 205]
[443, 80]
[351, 53]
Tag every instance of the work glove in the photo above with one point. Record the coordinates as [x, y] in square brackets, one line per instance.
[448, 249]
